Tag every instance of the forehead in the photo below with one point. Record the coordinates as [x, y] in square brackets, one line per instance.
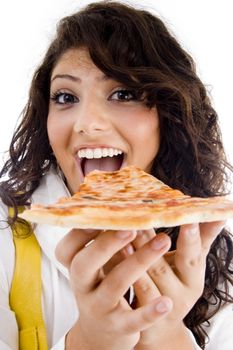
[74, 59]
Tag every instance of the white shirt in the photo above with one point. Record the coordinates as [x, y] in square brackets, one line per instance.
[59, 306]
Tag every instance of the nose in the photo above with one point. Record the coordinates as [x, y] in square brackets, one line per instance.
[91, 118]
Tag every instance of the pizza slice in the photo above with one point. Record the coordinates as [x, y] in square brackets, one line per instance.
[128, 199]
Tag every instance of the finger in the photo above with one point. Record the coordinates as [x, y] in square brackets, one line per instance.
[164, 277]
[146, 316]
[170, 258]
[143, 236]
[209, 231]
[126, 273]
[73, 242]
[144, 288]
[189, 259]
[86, 265]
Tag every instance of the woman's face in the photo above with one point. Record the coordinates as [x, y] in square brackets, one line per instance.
[95, 122]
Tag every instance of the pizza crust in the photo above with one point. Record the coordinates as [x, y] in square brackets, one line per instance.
[175, 210]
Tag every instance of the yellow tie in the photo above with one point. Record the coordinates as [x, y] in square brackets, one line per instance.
[26, 290]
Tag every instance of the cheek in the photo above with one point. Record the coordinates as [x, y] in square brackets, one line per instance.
[153, 130]
[51, 129]
[155, 134]
[58, 132]
[145, 131]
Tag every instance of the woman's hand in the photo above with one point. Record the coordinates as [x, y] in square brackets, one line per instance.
[106, 320]
[179, 275]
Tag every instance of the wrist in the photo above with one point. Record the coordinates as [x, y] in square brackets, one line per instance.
[177, 338]
[74, 340]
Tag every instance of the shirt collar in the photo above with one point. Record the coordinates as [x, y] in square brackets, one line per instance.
[52, 187]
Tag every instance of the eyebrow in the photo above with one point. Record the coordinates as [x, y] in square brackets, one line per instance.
[77, 79]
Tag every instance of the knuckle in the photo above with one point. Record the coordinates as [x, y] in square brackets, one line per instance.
[195, 261]
[158, 270]
[77, 269]
[103, 242]
[106, 242]
[143, 287]
[61, 254]
[141, 259]
[129, 327]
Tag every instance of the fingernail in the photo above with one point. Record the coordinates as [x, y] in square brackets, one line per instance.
[159, 242]
[193, 230]
[124, 234]
[128, 250]
[162, 307]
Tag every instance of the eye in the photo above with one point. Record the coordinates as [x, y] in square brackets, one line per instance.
[63, 98]
[124, 95]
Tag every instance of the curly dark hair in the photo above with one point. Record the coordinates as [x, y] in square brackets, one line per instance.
[134, 47]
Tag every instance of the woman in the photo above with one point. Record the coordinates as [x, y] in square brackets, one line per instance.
[115, 79]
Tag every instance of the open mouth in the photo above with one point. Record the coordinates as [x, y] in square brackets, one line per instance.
[100, 159]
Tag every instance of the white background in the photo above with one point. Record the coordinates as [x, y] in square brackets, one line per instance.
[204, 27]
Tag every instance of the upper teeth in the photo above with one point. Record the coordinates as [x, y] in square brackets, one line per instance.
[91, 153]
